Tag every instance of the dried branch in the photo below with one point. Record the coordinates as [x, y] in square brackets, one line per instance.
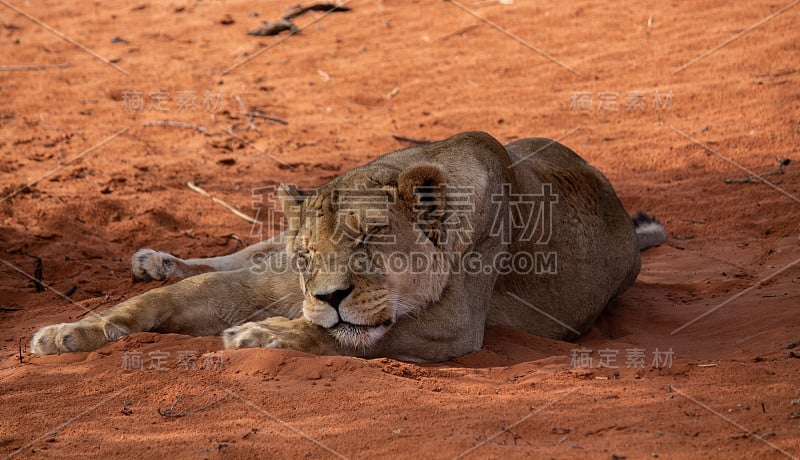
[779, 73]
[266, 117]
[17, 68]
[781, 163]
[37, 274]
[458, 32]
[105, 300]
[300, 10]
[285, 23]
[230, 208]
[274, 28]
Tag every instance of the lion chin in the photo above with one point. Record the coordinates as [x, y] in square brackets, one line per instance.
[359, 337]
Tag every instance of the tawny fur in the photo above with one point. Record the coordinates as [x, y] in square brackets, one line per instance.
[418, 316]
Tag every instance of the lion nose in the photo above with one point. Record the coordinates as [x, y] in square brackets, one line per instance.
[335, 298]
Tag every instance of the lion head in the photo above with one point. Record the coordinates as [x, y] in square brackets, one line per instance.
[369, 248]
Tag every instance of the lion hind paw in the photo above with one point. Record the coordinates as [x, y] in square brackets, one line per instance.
[149, 265]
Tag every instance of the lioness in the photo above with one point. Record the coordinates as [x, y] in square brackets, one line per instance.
[410, 256]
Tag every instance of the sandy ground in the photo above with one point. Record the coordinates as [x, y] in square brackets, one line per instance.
[667, 99]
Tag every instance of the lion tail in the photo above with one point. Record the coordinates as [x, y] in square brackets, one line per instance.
[649, 230]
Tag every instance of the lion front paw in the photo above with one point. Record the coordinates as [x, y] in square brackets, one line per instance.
[149, 265]
[71, 337]
[253, 335]
[279, 332]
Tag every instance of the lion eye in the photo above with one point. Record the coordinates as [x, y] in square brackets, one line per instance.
[302, 260]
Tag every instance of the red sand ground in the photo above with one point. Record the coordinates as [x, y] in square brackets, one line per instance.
[345, 84]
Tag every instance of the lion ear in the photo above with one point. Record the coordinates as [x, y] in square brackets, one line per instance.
[289, 195]
[290, 199]
[422, 189]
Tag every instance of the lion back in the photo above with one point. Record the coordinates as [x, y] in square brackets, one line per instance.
[592, 246]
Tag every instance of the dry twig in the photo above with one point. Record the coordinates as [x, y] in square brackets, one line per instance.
[38, 275]
[266, 117]
[18, 68]
[323, 7]
[779, 73]
[251, 115]
[781, 163]
[105, 300]
[225, 205]
[285, 23]
[458, 32]
[274, 28]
